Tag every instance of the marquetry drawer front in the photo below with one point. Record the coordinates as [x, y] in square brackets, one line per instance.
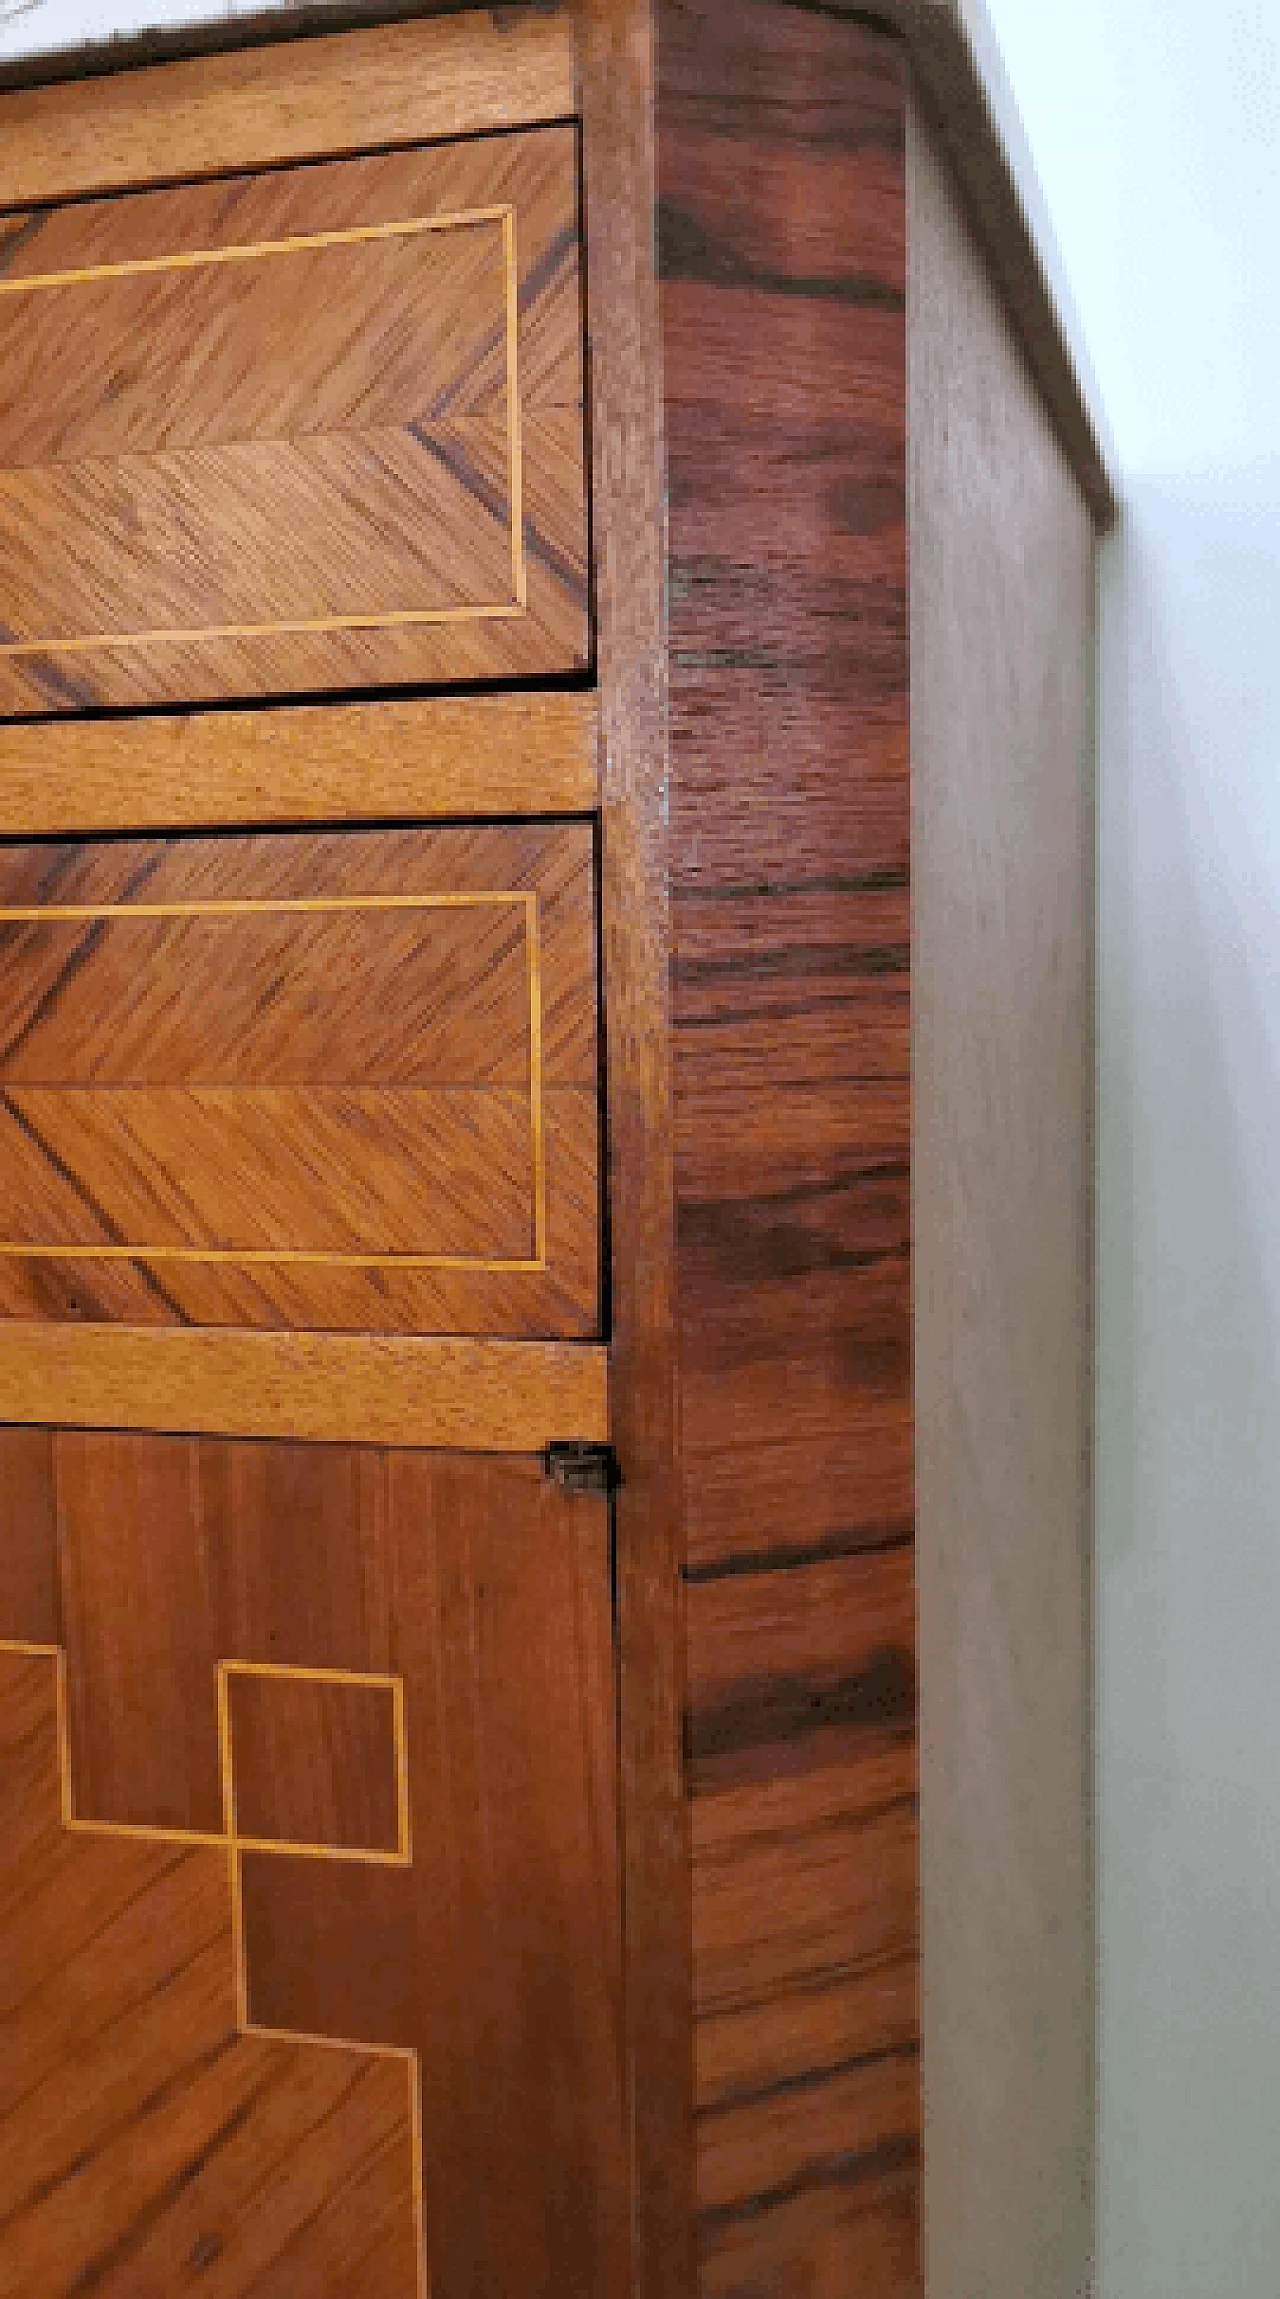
[313, 428]
[342, 1080]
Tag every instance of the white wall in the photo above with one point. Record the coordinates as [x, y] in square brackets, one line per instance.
[42, 27]
[1155, 126]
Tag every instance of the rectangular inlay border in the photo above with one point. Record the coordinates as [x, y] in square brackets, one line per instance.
[283, 1256]
[502, 214]
[284, 1672]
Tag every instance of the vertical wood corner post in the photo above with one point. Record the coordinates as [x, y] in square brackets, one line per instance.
[782, 274]
[616, 88]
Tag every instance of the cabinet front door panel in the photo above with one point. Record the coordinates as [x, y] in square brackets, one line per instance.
[308, 1893]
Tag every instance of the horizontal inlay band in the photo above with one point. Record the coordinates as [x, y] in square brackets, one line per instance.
[460, 1395]
[503, 755]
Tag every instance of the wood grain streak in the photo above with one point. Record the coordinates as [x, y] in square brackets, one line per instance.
[783, 261]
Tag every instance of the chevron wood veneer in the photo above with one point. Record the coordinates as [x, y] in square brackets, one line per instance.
[312, 428]
[341, 1080]
[148, 2138]
[240, 2062]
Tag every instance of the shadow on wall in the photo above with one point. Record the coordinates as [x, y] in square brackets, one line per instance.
[1189, 1400]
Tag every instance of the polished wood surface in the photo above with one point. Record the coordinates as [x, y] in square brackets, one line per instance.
[1003, 570]
[629, 502]
[383, 2061]
[355, 1708]
[512, 754]
[389, 1389]
[339, 1080]
[313, 428]
[781, 213]
[147, 2142]
[28, 1581]
[782, 246]
[454, 75]
[318, 1760]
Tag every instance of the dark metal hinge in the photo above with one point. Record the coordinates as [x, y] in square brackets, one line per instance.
[578, 1466]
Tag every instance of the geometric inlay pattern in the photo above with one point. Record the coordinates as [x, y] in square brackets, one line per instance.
[28, 1720]
[308, 1874]
[281, 1727]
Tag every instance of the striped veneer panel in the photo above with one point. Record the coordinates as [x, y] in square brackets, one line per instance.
[341, 1080]
[313, 428]
[782, 245]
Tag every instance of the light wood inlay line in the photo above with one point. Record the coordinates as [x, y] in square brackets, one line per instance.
[197, 259]
[305, 1257]
[283, 1257]
[400, 617]
[248, 906]
[280, 1846]
[288, 1673]
[237, 1845]
[515, 451]
[229, 1837]
[536, 1128]
[193, 259]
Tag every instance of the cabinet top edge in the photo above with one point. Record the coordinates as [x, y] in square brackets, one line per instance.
[959, 82]
[275, 84]
[963, 90]
[145, 33]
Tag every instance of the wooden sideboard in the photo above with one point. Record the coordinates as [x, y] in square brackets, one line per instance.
[546, 625]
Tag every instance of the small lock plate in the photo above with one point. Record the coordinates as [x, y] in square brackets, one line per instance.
[579, 1466]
